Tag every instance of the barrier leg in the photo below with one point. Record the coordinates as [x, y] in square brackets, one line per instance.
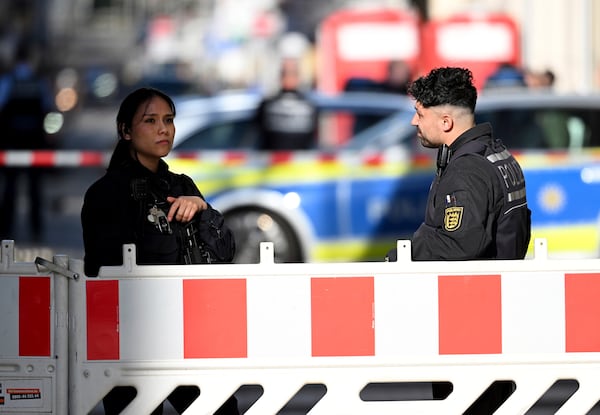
[61, 338]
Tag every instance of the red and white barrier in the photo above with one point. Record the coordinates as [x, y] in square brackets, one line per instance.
[343, 315]
[322, 337]
[25, 305]
[33, 338]
[343, 326]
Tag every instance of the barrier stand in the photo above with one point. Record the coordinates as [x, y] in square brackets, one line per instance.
[349, 338]
[33, 337]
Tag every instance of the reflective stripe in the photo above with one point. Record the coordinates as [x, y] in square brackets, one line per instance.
[516, 195]
[515, 207]
[493, 158]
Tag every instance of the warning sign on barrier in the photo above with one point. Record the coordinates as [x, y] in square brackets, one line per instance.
[25, 393]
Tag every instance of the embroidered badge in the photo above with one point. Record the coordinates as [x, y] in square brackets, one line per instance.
[453, 218]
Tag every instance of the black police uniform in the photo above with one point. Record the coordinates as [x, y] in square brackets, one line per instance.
[113, 215]
[288, 121]
[477, 205]
[129, 205]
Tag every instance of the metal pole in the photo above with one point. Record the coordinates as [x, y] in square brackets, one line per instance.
[61, 335]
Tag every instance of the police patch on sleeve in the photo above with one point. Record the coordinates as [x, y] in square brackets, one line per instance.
[453, 218]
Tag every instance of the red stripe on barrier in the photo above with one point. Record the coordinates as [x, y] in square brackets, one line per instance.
[42, 158]
[34, 316]
[342, 316]
[186, 155]
[470, 314]
[327, 157]
[582, 312]
[215, 323]
[279, 157]
[102, 320]
[235, 157]
[374, 160]
[90, 158]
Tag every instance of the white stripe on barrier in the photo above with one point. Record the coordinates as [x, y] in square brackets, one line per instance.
[151, 319]
[533, 318]
[413, 297]
[9, 315]
[275, 305]
[14, 158]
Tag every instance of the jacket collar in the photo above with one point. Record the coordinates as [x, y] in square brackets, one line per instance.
[484, 129]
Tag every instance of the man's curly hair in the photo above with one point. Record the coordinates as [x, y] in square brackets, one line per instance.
[453, 86]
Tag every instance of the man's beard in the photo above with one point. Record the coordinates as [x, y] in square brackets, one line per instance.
[425, 142]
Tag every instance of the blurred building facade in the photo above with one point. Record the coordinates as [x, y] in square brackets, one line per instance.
[227, 43]
[563, 36]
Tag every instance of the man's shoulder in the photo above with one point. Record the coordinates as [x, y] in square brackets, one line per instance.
[472, 167]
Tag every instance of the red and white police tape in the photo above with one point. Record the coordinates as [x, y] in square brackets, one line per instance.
[96, 158]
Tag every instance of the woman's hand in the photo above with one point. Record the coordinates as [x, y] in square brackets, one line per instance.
[184, 208]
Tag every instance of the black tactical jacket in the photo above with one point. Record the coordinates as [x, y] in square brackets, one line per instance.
[477, 205]
[116, 210]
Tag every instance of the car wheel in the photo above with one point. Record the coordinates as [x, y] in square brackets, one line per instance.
[251, 227]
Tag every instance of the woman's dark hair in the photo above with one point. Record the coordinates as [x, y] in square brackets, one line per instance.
[132, 102]
[453, 86]
[127, 110]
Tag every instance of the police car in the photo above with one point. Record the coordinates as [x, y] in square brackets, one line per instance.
[363, 189]
[227, 121]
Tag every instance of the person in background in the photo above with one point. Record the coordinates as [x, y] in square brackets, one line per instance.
[540, 80]
[506, 75]
[477, 205]
[398, 77]
[25, 100]
[139, 200]
[288, 120]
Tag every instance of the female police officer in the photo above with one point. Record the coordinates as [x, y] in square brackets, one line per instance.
[477, 206]
[140, 201]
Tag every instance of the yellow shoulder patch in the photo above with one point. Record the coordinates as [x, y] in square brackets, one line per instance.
[453, 218]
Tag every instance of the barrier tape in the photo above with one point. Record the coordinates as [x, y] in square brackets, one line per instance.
[95, 158]
[51, 158]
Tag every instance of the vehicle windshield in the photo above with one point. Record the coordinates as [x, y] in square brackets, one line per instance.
[393, 130]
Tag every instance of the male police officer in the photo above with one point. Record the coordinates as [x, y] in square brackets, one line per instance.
[477, 206]
[288, 120]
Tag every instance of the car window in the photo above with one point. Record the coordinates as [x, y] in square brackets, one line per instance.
[340, 126]
[393, 130]
[227, 134]
[334, 127]
[228, 121]
[544, 128]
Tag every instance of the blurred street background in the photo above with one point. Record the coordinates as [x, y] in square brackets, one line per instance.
[93, 52]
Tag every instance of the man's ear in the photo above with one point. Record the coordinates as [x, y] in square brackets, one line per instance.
[447, 123]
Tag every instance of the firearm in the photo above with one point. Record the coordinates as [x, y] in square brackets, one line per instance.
[192, 251]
